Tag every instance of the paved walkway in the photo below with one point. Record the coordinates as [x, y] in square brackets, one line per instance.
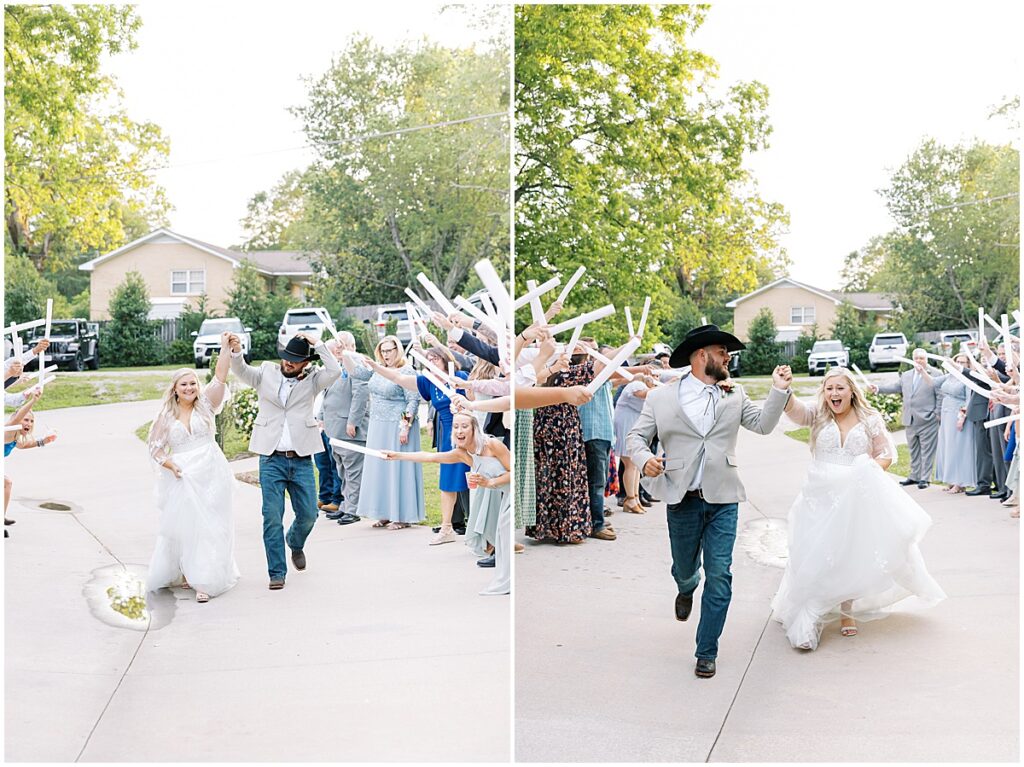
[604, 672]
[381, 650]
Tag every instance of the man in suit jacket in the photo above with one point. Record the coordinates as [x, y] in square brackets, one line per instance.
[285, 434]
[347, 417]
[922, 403]
[697, 424]
[988, 443]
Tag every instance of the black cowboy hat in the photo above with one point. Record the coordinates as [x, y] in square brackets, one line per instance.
[297, 350]
[698, 338]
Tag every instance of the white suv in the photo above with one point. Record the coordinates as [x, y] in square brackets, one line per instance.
[208, 338]
[398, 312]
[886, 349]
[826, 354]
[305, 320]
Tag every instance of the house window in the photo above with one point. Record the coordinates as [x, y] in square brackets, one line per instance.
[188, 282]
[801, 315]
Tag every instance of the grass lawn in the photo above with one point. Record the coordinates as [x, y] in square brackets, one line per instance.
[237, 445]
[72, 391]
[901, 467]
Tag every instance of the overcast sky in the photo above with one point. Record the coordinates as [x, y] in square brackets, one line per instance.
[854, 88]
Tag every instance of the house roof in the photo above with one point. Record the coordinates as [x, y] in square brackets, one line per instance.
[271, 262]
[866, 301]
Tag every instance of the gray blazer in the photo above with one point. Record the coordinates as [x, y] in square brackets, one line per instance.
[922, 407]
[345, 402]
[663, 417]
[302, 424]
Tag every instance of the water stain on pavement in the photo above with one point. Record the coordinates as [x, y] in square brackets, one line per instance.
[766, 541]
[116, 595]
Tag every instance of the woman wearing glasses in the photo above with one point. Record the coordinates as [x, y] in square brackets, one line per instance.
[392, 492]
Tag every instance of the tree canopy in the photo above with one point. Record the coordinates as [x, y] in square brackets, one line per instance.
[74, 167]
[630, 161]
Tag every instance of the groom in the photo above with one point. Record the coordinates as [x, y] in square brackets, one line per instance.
[697, 423]
[286, 434]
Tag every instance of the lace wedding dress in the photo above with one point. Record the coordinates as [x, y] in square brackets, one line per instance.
[853, 535]
[196, 538]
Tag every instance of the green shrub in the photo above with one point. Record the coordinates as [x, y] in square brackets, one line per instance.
[763, 352]
[130, 335]
[179, 352]
[804, 343]
[890, 406]
[244, 407]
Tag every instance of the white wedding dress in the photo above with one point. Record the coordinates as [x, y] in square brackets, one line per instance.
[853, 535]
[197, 534]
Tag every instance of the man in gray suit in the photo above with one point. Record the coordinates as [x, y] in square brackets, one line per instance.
[697, 423]
[347, 417]
[922, 403]
[285, 434]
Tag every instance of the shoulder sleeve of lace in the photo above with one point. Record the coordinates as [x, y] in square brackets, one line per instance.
[882, 443]
[158, 438]
[800, 414]
[217, 395]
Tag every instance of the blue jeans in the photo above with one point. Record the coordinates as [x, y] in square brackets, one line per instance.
[598, 451]
[330, 483]
[695, 525]
[278, 474]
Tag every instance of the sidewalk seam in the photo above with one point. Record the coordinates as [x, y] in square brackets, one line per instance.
[739, 687]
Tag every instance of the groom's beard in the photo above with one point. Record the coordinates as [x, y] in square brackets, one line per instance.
[294, 373]
[714, 370]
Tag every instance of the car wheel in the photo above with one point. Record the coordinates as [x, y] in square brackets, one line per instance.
[77, 364]
[94, 363]
[199, 364]
[247, 357]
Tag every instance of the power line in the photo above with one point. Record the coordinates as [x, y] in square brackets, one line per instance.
[974, 202]
[335, 142]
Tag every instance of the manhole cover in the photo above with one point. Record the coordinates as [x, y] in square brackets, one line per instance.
[52, 506]
[766, 541]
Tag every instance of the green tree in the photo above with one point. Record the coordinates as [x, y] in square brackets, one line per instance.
[855, 332]
[130, 336]
[75, 163]
[628, 164]
[259, 307]
[25, 291]
[763, 352]
[804, 344]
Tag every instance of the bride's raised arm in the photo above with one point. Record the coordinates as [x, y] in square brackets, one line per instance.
[798, 412]
[216, 390]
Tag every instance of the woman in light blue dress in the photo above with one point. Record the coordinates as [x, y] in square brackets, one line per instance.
[954, 460]
[391, 493]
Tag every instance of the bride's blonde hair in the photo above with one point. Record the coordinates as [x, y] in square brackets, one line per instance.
[823, 414]
[169, 407]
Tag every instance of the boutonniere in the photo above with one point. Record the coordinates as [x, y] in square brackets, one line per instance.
[727, 386]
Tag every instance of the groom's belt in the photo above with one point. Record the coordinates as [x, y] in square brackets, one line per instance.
[287, 453]
[698, 493]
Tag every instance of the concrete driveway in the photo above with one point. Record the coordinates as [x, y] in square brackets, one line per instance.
[604, 672]
[381, 650]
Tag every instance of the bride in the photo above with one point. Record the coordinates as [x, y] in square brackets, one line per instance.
[195, 546]
[853, 533]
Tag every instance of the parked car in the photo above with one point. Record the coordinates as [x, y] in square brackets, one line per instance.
[951, 341]
[886, 349]
[735, 363]
[302, 321]
[74, 344]
[826, 354]
[388, 312]
[208, 338]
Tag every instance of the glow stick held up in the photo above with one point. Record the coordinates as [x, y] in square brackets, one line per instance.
[436, 294]
[472, 311]
[631, 346]
[574, 340]
[629, 322]
[352, 446]
[16, 343]
[863, 378]
[428, 364]
[526, 298]
[497, 325]
[570, 284]
[440, 384]
[13, 328]
[953, 371]
[583, 319]
[536, 309]
[601, 358]
[643, 316]
[419, 302]
[499, 293]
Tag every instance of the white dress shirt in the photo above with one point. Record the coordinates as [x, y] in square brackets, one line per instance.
[283, 392]
[700, 402]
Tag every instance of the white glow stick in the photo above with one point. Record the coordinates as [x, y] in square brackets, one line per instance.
[46, 335]
[536, 310]
[491, 322]
[526, 298]
[952, 370]
[428, 364]
[583, 319]
[904, 359]
[419, 302]
[49, 316]
[569, 285]
[1005, 419]
[629, 322]
[574, 340]
[601, 358]
[981, 322]
[16, 343]
[643, 317]
[436, 294]
[13, 328]
[11, 429]
[446, 390]
[356, 448]
[1016, 317]
[451, 369]
[995, 325]
[495, 286]
[1004, 329]
[47, 380]
[414, 327]
[497, 325]
[327, 324]
[863, 378]
[938, 357]
[606, 373]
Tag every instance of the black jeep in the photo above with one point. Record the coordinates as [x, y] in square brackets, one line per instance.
[74, 344]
